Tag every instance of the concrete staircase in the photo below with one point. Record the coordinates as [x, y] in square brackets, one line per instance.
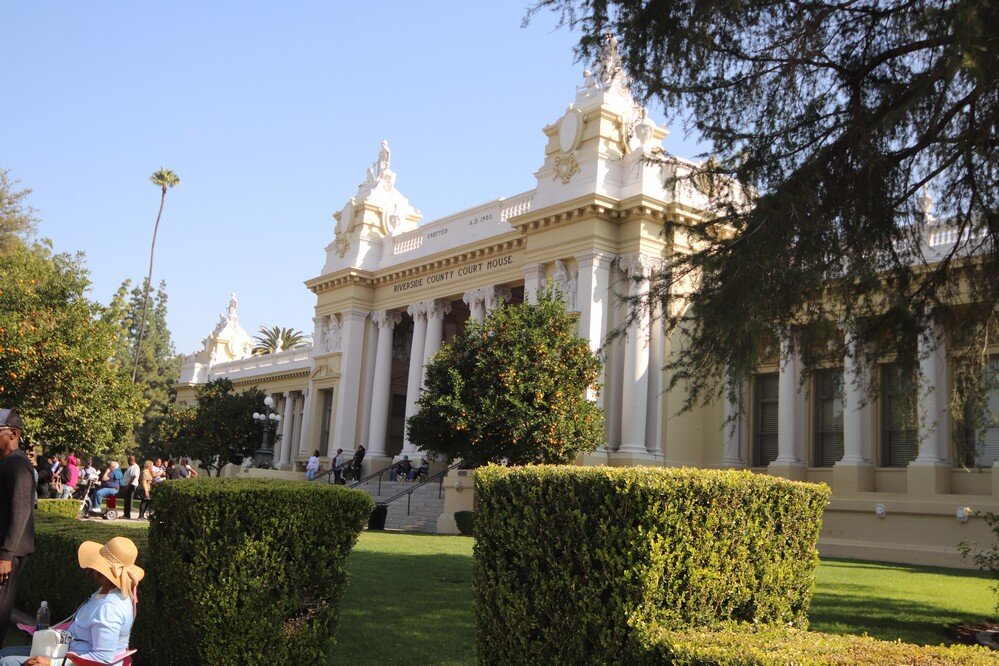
[424, 507]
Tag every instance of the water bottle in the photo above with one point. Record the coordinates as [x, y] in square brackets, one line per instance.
[42, 616]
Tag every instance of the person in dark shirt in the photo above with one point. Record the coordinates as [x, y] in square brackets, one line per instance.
[172, 471]
[17, 519]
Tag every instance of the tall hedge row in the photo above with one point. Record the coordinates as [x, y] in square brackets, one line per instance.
[569, 560]
[246, 571]
[53, 573]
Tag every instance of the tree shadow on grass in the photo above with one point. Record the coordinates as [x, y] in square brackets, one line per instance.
[879, 568]
[407, 608]
[846, 612]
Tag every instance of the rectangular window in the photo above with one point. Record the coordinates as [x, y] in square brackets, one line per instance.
[828, 436]
[764, 419]
[899, 444]
[982, 423]
[324, 431]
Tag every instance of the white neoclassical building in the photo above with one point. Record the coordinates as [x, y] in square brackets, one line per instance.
[393, 289]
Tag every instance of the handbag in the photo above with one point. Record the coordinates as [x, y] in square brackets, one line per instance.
[50, 643]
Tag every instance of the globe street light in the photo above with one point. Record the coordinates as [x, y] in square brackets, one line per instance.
[269, 420]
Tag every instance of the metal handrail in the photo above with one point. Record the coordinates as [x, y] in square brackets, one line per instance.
[379, 474]
[409, 491]
[333, 470]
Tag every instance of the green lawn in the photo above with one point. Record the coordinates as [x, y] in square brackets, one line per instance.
[893, 601]
[410, 600]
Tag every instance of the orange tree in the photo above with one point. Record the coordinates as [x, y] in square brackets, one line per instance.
[513, 387]
[56, 354]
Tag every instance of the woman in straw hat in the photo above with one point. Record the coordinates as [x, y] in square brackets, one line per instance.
[102, 624]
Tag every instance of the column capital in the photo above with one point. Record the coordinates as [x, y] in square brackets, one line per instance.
[354, 314]
[496, 294]
[437, 309]
[418, 311]
[286, 395]
[475, 296]
[596, 258]
[386, 318]
[638, 266]
[533, 270]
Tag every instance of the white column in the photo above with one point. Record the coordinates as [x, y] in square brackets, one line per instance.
[593, 293]
[787, 413]
[296, 427]
[287, 421]
[933, 398]
[418, 312]
[308, 397]
[534, 281]
[317, 334]
[475, 299]
[635, 388]
[343, 435]
[370, 337]
[856, 450]
[493, 297]
[381, 392]
[436, 311]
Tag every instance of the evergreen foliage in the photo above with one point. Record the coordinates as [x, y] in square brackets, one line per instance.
[247, 571]
[56, 351]
[219, 429]
[570, 561]
[17, 218]
[513, 387]
[274, 338]
[159, 365]
[831, 119]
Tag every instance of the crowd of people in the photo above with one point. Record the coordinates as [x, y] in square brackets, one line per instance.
[74, 477]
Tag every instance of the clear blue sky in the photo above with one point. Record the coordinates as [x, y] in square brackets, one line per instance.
[269, 113]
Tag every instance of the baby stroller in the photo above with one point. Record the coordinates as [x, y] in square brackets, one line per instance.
[110, 510]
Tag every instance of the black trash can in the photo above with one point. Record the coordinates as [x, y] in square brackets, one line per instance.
[377, 519]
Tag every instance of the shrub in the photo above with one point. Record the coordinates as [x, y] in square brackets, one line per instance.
[569, 560]
[749, 645]
[513, 387]
[59, 507]
[465, 521]
[247, 571]
[53, 573]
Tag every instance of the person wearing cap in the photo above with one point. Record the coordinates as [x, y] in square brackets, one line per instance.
[101, 626]
[401, 470]
[17, 511]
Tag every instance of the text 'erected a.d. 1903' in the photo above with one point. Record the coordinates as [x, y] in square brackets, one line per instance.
[454, 273]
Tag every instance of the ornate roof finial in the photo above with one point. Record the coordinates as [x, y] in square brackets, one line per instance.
[608, 66]
[926, 203]
[379, 171]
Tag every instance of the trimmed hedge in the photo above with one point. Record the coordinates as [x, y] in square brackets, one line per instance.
[247, 571]
[53, 573]
[59, 507]
[750, 645]
[465, 520]
[570, 560]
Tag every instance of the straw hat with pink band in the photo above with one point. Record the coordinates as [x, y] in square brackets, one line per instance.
[114, 560]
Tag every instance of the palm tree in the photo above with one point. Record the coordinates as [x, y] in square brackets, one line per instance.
[165, 179]
[275, 339]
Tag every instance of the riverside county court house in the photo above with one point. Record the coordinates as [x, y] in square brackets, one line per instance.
[393, 290]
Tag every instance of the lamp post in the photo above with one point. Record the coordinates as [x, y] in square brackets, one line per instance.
[269, 420]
